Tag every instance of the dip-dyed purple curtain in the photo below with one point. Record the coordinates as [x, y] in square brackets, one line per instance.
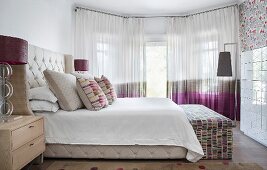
[130, 89]
[216, 95]
[194, 43]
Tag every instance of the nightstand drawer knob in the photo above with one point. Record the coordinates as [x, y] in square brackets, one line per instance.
[31, 126]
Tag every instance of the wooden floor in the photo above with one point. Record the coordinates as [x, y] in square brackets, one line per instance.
[248, 150]
[245, 150]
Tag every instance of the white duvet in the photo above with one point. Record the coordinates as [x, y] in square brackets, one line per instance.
[128, 121]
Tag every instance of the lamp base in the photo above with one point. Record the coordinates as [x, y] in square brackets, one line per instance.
[82, 72]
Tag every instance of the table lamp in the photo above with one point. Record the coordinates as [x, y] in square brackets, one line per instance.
[13, 54]
[81, 65]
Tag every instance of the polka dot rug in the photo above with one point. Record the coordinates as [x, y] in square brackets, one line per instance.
[123, 165]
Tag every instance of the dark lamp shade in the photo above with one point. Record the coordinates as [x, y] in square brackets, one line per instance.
[81, 65]
[13, 51]
[224, 65]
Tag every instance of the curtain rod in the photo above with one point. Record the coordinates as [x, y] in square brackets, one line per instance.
[160, 16]
[102, 12]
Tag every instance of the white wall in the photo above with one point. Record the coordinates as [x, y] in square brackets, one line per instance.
[155, 25]
[155, 29]
[44, 23]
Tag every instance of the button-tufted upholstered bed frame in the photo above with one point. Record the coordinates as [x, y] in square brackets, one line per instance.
[41, 59]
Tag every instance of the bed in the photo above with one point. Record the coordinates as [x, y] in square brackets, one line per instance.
[128, 122]
[152, 140]
[41, 59]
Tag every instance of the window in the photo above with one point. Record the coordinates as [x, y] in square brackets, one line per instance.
[102, 55]
[156, 68]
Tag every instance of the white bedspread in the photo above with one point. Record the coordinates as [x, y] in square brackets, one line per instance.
[129, 121]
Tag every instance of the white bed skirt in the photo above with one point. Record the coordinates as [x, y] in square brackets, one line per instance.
[114, 152]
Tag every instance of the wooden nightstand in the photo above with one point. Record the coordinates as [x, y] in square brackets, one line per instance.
[21, 141]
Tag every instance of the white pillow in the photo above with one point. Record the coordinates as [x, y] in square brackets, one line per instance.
[42, 93]
[80, 75]
[40, 105]
[64, 87]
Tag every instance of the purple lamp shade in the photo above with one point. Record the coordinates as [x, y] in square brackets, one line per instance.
[13, 51]
[81, 65]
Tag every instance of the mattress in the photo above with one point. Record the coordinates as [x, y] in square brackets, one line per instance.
[128, 122]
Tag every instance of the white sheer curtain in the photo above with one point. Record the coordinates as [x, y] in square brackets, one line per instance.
[114, 47]
[194, 43]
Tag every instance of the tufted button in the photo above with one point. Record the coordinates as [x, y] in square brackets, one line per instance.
[39, 68]
[35, 78]
[30, 67]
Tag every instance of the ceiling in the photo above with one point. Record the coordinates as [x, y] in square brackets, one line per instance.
[153, 7]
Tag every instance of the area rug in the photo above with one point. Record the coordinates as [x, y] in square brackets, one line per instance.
[72, 165]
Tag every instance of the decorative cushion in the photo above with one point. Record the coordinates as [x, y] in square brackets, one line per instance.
[91, 94]
[107, 88]
[64, 87]
[41, 105]
[42, 93]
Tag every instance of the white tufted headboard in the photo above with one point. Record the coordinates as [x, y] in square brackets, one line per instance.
[31, 75]
[40, 59]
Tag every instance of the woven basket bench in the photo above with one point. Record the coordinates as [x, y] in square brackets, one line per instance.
[213, 130]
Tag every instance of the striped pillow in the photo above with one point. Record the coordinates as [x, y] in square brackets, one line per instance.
[91, 94]
[107, 88]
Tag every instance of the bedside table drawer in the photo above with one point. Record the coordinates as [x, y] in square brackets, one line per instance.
[28, 152]
[27, 133]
